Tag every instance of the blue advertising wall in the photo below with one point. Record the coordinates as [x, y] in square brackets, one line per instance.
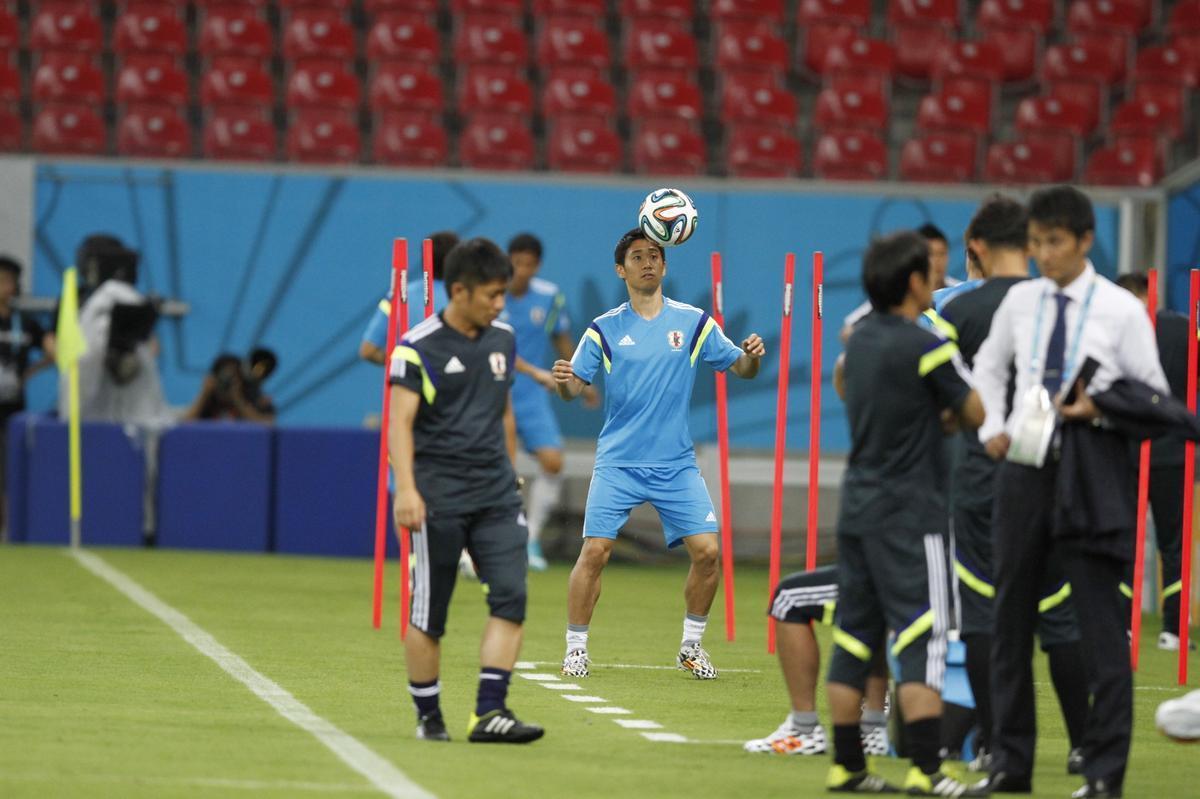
[297, 262]
[1183, 243]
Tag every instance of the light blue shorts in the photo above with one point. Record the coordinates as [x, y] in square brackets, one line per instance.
[678, 493]
[536, 425]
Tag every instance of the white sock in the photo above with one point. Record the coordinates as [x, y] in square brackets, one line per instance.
[693, 628]
[543, 499]
[577, 635]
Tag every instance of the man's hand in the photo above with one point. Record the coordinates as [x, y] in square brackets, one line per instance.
[591, 397]
[545, 379]
[1083, 409]
[754, 346]
[950, 423]
[997, 446]
[562, 372]
[409, 509]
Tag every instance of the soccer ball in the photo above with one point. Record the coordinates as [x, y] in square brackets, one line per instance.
[668, 217]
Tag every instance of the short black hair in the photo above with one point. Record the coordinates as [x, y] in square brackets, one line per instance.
[888, 264]
[1000, 222]
[627, 241]
[10, 265]
[1135, 282]
[266, 357]
[443, 243]
[476, 261]
[526, 242]
[1063, 206]
[931, 232]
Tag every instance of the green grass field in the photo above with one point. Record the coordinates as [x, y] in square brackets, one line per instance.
[99, 698]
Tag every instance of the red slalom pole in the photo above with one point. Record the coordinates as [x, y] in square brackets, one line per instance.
[1189, 475]
[1139, 558]
[427, 275]
[718, 315]
[781, 408]
[814, 411]
[399, 269]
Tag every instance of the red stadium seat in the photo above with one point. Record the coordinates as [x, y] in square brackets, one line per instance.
[152, 79]
[579, 92]
[1089, 94]
[939, 158]
[503, 8]
[1083, 61]
[1184, 18]
[65, 27]
[496, 143]
[757, 97]
[340, 5]
[322, 84]
[850, 155]
[10, 84]
[655, 94]
[761, 152]
[916, 47]
[69, 78]
[657, 45]
[69, 130]
[322, 137]
[591, 9]
[494, 89]
[955, 111]
[928, 12]
[318, 33]
[230, 81]
[862, 55]
[235, 31]
[1056, 113]
[409, 140]
[1148, 117]
[843, 107]
[584, 144]
[983, 61]
[814, 12]
[373, 7]
[681, 10]
[1031, 160]
[750, 45]
[668, 147]
[10, 30]
[150, 29]
[239, 134]
[572, 42]
[406, 87]
[1169, 64]
[1019, 49]
[1035, 14]
[403, 37]
[11, 133]
[1129, 162]
[1107, 16]
[492, 40]
[769, 11]
[820, 38]
[153, 132]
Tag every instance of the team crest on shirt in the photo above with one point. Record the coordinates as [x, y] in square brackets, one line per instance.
[537, 315]
[675, 339]
[499, 363]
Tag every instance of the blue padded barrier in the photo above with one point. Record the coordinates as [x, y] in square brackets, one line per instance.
[114, 473]
[16, 473]
[214, 486]
[325, 492]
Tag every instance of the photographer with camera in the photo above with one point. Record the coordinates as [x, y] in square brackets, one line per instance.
[231, 392]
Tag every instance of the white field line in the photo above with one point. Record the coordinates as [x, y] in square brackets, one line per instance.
[610, 710]
[583, 698]
[561, 686]
[638, 724]
[665, 737]
[533, 664]
[378, 771]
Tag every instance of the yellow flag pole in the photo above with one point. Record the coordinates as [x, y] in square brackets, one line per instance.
[71, 346]
[75, 456]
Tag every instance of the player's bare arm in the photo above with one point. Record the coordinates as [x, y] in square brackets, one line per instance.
[408, 508]
[568, 384]
[370, 353]
[540, 376]
[753, 349]
[565, 347]
[510, 431]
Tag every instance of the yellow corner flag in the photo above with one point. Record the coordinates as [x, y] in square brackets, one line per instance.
[70, 347]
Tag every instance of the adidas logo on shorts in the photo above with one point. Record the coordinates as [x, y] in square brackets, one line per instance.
[711, 517]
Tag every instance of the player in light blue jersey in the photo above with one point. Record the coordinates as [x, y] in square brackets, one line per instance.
[537, 311]
[374, 338]
[648, 349]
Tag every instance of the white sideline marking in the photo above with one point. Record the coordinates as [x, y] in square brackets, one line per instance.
[381, 773]
[638, 724]
[541, 677]
[582, 698]
[610, 710]
[561, 686]
[530, 664]
[524, 665]
[665, 737]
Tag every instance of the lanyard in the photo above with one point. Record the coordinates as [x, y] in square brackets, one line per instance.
[1035, 360]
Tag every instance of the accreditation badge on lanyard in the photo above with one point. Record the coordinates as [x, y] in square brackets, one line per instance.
[1036, 418]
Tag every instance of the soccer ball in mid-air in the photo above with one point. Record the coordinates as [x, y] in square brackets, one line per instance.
[668, 217]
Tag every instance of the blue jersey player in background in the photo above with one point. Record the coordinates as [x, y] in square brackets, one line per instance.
[648, 350]
[537, 311]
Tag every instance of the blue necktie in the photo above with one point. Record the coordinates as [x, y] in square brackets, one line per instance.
[1052, 376]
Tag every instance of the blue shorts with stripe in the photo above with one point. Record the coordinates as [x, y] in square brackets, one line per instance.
[536, 425]
[678, 493]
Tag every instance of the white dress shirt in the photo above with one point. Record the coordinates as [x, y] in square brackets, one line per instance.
[1116, 333]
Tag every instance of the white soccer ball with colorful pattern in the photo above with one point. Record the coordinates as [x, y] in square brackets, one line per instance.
[668, 217]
